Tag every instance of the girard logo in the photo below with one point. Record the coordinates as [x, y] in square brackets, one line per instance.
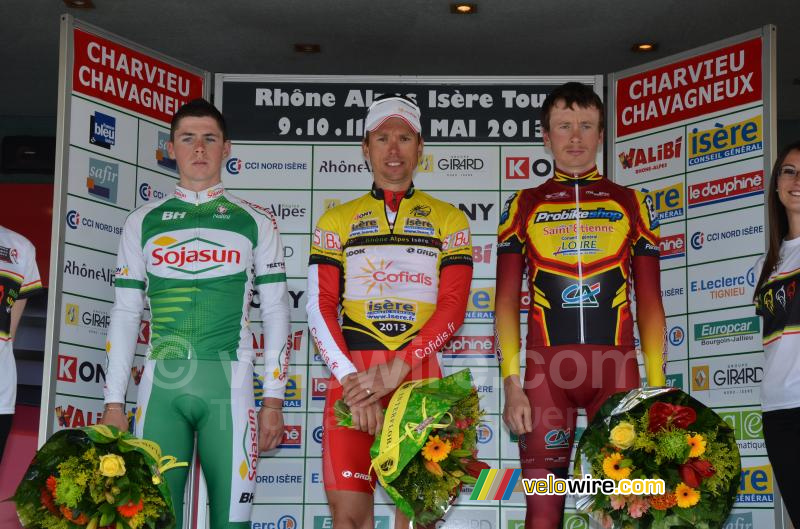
[177, 255]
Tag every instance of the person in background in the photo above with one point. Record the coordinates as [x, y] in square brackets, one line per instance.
[19, 279]
[197, 256]
[399, 263]
[778, 273]
[582, 239]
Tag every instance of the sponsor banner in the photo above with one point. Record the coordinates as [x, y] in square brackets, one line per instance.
[757, 484]
[314, 486]
[333, 112]
[295, 254]
[673, 291]
[152, 186]
[524, 167]
[472, 341]
[153, 152]
[89, 273]
[279, 481]
[101, 179]
[93, 225]
[268, 166]
[480, 208]
[458, 168]
[128, 78]
[746, 424]
[725, 139]
[749, 519]
[726, 235]
[292, 209]
[292, 443]
[298, 344]
[716, 285]
[341, 167]
[81, 371]
[318, 383]
[103, 130]
[280, 516]
[314, 433]
[710, 82]
[677, 338]
[484, 256]
[70, 411]
[672, 245]
[724, 332]
[650, 157]
[678, 375]
[84, 321]
[726, 188]
[667, 198]
[727, 381]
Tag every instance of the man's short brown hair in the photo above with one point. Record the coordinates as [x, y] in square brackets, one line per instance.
[572, 93]
[198, 108]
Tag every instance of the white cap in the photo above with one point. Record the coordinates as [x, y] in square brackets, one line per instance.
[392, 107]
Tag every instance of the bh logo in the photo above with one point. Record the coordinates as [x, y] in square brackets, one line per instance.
[676, 335]
[73, 219]
[698, 238]
[484, 433]
[233, 166]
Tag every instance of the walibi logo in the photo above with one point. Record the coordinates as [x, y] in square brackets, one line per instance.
[102, 130]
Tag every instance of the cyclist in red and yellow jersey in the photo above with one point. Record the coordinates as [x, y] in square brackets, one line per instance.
[583, 240]
[395, 265]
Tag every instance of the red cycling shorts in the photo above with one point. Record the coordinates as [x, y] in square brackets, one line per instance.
[345, 451]
[558, 381]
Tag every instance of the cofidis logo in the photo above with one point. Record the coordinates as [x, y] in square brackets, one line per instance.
[724, 141]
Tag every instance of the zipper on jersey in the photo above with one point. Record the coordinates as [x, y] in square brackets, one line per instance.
[580, 260]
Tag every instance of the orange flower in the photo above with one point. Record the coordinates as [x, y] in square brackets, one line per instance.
[436, 449]
[130, 509]
[51, 484]
[458, 441]
[686, 496]
[434, 468]
[662, 502]
[81, 519]
[47, 501]
[697, 445]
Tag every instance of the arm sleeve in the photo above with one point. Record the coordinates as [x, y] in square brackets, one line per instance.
[270, 282]
[126, 314]
[510, 265]
[324, 292]
[757, 297]
[455, 278]
[31, 282]
[647, 285]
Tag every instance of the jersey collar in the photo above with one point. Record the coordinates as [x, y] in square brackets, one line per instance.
[587, 177]
[378, 193]
[199, 197]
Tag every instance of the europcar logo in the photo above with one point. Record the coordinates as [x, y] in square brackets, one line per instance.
[176, 255]
[675, 380]
[667, 202]
[162, 153]
[722, 331]
[233, 165]
[73, 219]
[102, 130]
[102, 180]
[326, 522]
[755, 485]
[723, 141]
[292, 398]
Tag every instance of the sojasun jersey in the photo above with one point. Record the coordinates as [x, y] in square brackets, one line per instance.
[197, 257]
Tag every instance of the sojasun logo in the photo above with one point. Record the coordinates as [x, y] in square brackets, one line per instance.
[724, 331]
[177, 255]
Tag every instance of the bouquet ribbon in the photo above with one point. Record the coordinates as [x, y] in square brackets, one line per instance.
[663, 414]
[385, 463]
[101, 432]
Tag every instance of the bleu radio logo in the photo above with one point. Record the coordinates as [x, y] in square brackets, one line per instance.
[102, 130]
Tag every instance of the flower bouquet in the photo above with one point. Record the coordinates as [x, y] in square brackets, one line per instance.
[660, 433]
[427, 447]
[96, 477]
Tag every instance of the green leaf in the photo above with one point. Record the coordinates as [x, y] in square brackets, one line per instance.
[107, 518]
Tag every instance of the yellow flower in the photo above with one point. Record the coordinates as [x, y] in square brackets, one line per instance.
[697, 445]
[622, 435]
[686, 495]
[435, 449]
[434, 468]
[612, 468]
[112, 466]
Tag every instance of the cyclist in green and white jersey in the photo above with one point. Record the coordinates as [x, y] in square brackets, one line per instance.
[197, 256]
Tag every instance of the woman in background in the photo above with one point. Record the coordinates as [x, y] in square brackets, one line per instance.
[778, 276]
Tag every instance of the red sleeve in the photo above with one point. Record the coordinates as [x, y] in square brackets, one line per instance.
[506, 312]
[650, 317]
[451, 306]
